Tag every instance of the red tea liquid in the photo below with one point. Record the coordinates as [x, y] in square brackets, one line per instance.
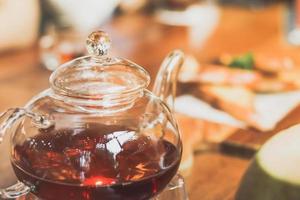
[95, 163]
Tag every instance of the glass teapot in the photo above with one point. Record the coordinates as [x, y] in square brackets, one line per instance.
[97, 132]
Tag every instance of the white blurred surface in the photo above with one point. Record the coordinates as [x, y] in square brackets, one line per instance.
[85, 15]
[201, 20]
[270, 109]
[19, 23]
[197, 108]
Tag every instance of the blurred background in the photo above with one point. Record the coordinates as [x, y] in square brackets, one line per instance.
[38, 36]
[58, 29]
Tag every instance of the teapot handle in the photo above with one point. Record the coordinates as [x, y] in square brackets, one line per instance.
[166, 79]
[7, 119]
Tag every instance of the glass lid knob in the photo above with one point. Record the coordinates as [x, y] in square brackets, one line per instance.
[98, 43]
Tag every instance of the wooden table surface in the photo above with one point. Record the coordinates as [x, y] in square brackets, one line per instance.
[215, 176]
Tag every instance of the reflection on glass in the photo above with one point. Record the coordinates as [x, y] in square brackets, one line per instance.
[60, 46]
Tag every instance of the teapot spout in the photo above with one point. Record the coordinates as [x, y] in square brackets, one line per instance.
[166, 79]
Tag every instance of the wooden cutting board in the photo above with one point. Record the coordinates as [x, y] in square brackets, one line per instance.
[247, 142]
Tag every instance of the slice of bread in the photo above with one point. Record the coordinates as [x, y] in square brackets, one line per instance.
[197, 134]
[237, 101]
[273, 85]
[191, 131]
[229, 97]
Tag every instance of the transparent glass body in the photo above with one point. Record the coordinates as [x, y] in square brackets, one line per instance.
[97, 132]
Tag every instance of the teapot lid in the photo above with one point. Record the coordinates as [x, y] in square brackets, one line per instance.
[98, 75]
